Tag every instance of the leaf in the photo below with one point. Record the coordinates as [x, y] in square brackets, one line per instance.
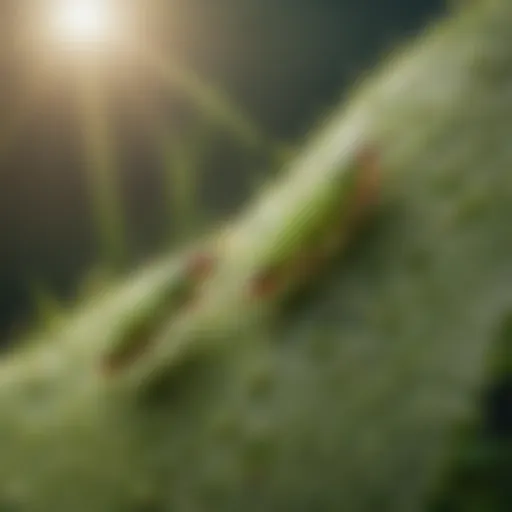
[349, 402]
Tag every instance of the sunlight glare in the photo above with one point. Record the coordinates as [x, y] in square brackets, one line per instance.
[83, 22]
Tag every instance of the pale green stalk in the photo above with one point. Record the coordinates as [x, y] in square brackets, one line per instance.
[102, 168]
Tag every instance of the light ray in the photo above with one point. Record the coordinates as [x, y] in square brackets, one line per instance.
[210, 101]
[182, 161]
[102, 169]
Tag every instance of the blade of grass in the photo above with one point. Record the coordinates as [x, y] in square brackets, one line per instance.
[211, 102]
[182, 157]
[102, 169]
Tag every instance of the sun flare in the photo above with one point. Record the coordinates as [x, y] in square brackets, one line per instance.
[83, 23]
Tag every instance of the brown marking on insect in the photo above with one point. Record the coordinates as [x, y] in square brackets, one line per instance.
[368, 182]
[365, 195]
[200, 265]
[271, 281]
[119, 359]
[267, 282]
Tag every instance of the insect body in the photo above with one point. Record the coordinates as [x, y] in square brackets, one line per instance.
[334, 230]
[137, 333]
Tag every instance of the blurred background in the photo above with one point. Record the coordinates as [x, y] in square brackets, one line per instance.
[282, 63]
[124, 128]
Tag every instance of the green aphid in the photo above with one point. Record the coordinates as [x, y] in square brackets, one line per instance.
[138, 332]
[320, 228]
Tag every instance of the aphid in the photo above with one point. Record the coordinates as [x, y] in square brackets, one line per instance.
[138, 332]
[306, 261]
[199, 268]
[368, 182]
